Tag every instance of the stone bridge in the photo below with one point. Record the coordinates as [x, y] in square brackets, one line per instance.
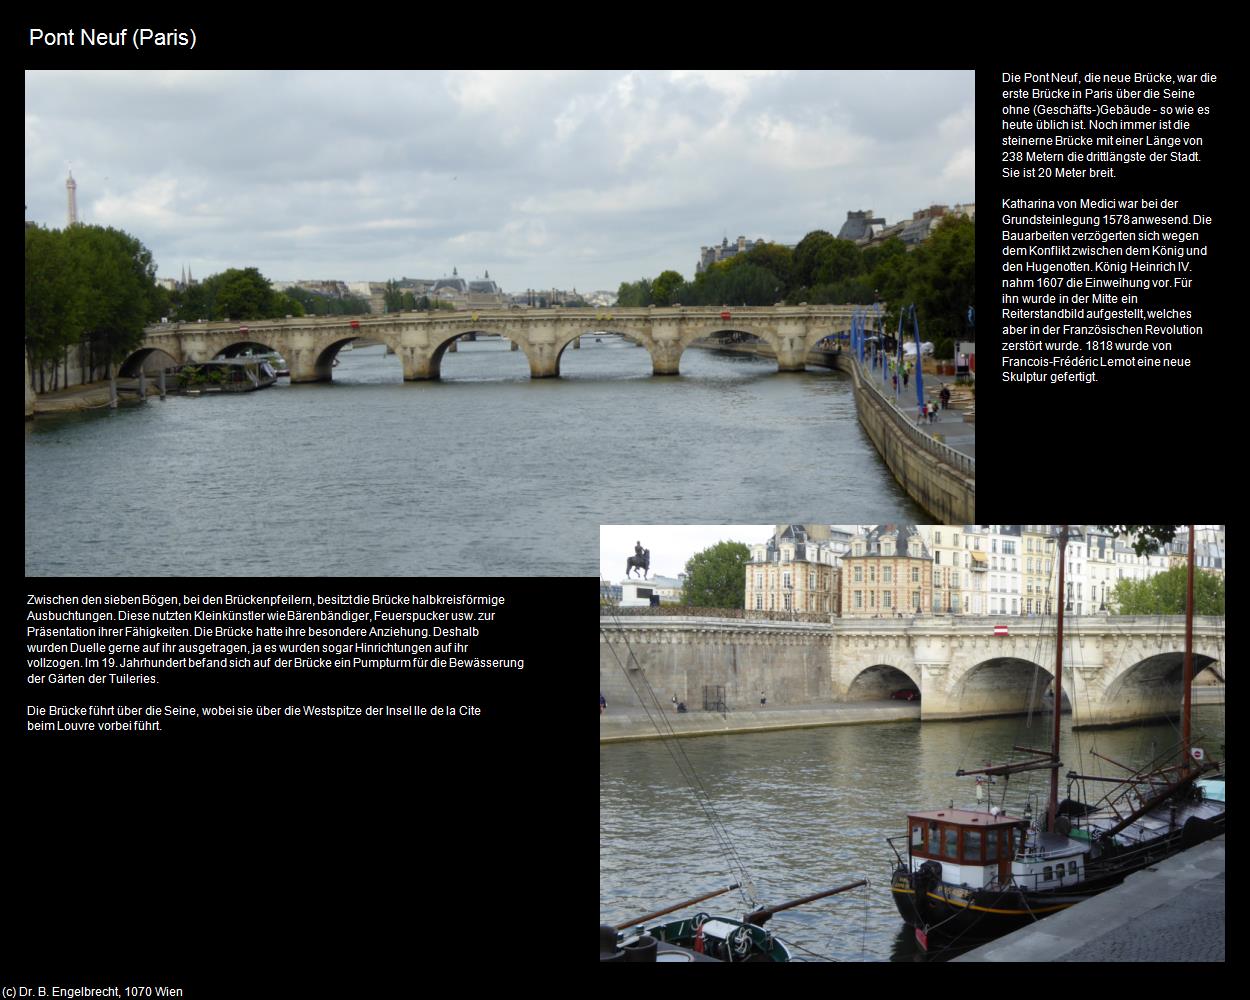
[1116, 669]
[309, 344]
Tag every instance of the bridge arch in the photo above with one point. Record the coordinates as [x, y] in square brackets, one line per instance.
[702, 331]
[1001, 685]
[565, 341]
[148, 359]
[324, 351]
[444, 343]
[880, 680]
[1151, 687]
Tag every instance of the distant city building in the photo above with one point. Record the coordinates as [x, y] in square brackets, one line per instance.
[714, 255]
[1010, 569]
[796, 570]
[952, 575]
[1208, 550]
[887, 573]
[912, 232]
[922, 225]
[669, 589]
[860, 226]
[485, 294]
[1039, 580]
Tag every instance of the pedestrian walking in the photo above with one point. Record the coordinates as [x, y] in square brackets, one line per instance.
[603, 703]
[906, 372]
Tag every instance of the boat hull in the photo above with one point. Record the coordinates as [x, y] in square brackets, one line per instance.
[944, 912]
[952, 911]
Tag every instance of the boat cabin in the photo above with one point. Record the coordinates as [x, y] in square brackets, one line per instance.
[973, 848]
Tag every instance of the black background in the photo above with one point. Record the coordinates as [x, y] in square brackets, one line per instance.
[1145, 441]
[294, 850]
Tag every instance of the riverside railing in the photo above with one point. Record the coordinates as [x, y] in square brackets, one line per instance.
[964, 463]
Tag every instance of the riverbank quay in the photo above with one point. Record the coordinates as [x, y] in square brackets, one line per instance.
[921, 456]
[1171, 912]
[625, 726]
[935, 463]
[88, 396]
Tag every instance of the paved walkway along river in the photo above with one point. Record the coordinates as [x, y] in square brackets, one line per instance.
[1172, 912]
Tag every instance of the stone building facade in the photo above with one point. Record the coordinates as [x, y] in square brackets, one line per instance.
[888, 573]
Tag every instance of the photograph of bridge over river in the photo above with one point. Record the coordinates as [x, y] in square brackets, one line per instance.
[464, 345]
[812, 737]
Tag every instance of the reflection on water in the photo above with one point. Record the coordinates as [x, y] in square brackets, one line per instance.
[810, 809]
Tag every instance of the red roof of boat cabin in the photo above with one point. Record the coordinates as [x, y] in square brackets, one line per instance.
[968, 817]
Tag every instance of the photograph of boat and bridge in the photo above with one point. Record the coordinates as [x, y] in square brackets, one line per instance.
[805, 801]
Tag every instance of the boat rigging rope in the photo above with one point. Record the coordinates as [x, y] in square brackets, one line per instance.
[659, 720]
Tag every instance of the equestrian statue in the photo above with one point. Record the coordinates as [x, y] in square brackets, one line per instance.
[641, 559]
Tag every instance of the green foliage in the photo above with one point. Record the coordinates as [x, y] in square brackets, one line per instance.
[742, 283]
[87, 285]
[774, 258]
[716, 577]
[666, 289]
[835, 261]
[634, 294]
[942, 283]
[398, 300]
[55, 298]
[243, 293]
[805, 256]
[1164, 594]
[235, 294]
[938, 276]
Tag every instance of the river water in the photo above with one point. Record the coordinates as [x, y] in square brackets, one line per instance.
[482, 473]
[809, 809]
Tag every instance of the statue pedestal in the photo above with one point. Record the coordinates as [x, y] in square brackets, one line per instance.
[637, 593]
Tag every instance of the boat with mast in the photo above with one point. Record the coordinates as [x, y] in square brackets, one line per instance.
[979, 872]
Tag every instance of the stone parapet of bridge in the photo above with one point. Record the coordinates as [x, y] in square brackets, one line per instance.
[420, 340]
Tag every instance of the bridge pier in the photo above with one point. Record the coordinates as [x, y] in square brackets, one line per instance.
[665, 357]
[792, 356]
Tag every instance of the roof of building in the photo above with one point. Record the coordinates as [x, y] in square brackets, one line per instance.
[858, 225]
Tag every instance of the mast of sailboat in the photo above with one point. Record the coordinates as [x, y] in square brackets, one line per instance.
[1058, 701]
[1188, 677]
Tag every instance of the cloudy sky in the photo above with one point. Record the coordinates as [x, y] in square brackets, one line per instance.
[545, 179]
